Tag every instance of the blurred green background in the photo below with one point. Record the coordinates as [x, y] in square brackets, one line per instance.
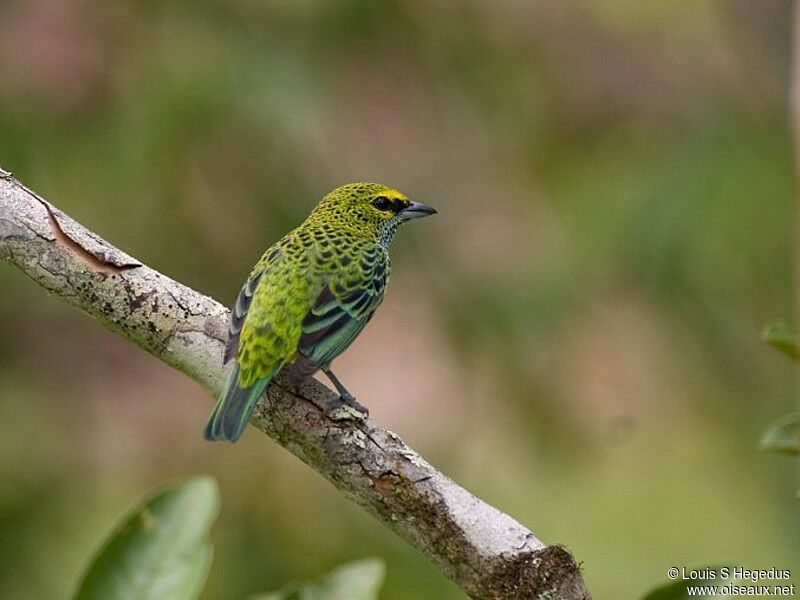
[579, 326]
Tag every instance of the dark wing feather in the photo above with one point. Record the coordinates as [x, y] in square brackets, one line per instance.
[238, 314]
[340, 312]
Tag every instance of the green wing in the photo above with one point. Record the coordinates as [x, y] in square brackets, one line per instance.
[345, 305]
[263, 333]
[295, 304]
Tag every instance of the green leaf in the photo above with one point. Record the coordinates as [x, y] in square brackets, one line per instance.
[360, 580]
[679, 589]
[161, 551]
[783, 336]
[783, 435]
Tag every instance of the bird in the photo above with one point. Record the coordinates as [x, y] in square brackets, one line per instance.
[308, 298]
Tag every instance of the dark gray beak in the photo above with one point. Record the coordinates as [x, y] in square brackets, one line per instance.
[416, 210]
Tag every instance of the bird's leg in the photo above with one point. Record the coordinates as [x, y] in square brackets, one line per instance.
[345, 397]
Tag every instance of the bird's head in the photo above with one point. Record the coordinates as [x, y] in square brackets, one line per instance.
[373, 208]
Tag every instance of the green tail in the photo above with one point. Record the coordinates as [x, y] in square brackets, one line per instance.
[234, 409]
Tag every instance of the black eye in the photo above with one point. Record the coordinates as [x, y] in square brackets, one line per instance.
[382, 203]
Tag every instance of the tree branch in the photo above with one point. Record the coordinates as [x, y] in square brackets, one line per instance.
[486, 552]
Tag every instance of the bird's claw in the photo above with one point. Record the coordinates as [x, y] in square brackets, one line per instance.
[346, 408]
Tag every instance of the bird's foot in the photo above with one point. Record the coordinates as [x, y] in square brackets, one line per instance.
[345, 408]
[350, 401]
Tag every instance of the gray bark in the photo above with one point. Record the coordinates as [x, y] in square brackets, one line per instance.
[486, 552]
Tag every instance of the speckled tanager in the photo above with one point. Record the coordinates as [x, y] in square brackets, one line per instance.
[309, 297]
